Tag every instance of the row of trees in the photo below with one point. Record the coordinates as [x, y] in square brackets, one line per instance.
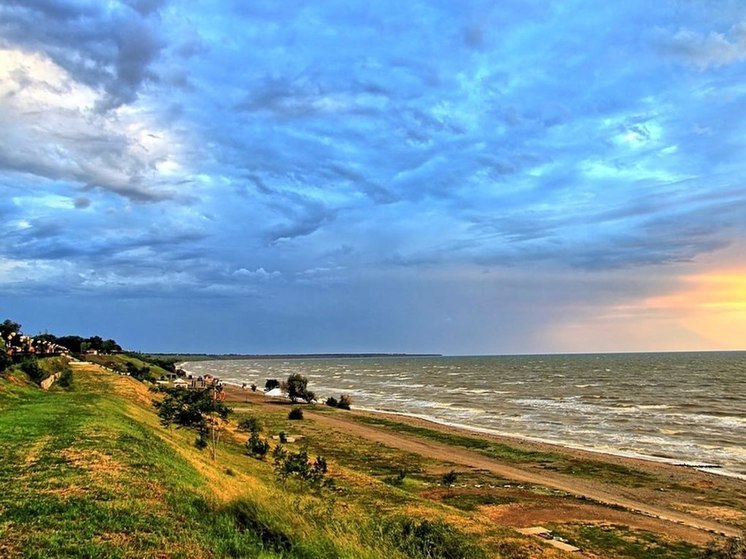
[76, 344]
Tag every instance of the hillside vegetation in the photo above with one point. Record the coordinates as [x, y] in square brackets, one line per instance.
[88, 471]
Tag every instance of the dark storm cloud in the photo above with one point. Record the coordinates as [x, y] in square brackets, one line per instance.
[265, 150]
[104, 48]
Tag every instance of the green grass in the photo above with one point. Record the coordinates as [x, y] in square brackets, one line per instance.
[88, 472]
[118, 362]
[623, 543]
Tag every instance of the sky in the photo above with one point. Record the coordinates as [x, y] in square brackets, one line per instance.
[472, 177]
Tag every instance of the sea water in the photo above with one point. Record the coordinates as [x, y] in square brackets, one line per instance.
[687, 408]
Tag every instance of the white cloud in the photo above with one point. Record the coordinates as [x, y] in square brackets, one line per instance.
[259, 274]
[706, 50]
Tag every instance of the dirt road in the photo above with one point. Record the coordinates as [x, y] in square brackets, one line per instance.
[573, 486]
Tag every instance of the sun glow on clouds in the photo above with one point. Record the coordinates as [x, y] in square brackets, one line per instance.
[705, 310]
[711, 305]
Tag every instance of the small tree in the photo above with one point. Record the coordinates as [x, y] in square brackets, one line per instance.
[31, 367]
[5, 359]
[343, 403]
[66, 378]
[297, 465]
[297, 388]
[250, 424]
[257, 446]
[449, 478]
[202, 410]
[731, 548]
[295, 413]
[8, 327]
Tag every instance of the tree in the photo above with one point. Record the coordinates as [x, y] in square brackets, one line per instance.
[8, 327]
[297, 465]
[449, 478]
[297, 387]
[201, 410]
[5, 360]
[731, 548]
[110, 346]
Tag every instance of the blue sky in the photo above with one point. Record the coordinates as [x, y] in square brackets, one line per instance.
[456, 177]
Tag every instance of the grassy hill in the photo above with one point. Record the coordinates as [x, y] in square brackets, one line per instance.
[88, 471]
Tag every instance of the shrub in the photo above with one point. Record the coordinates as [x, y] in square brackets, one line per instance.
[430, 539]
[271, 384]
[283, 437]
[731, 548]
[140, 373]
[398, 479]
[250, 424]
[297, 465]
[32, 369]
[5, 360]
[295, 414]
[257, 446]
[343, 403]
[450, 478]
[66, 378]
[248, 517]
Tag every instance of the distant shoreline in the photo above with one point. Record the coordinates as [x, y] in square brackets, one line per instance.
[236, 357]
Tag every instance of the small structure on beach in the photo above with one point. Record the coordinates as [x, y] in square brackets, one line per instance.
[546, 535]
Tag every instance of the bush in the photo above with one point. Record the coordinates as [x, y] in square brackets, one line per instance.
[731, 548]
[32, 369]
[271, 384]
[5, 360]
[249, 425]
[430, 539]
[297, 465]
[449, 478]
[398, 479]
[66, 378]
[295, 414]
[256, 446]
[140, 373]
[248, 517]
[343, 403]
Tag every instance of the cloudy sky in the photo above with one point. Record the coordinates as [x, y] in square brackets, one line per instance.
[425, 176]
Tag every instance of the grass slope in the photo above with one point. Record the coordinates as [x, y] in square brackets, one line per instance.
[88, 472]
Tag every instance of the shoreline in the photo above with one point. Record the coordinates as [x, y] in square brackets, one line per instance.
[523, 440]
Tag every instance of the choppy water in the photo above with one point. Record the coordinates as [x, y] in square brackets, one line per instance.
[686, 407]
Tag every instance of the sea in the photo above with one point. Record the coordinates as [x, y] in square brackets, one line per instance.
[683, 408]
